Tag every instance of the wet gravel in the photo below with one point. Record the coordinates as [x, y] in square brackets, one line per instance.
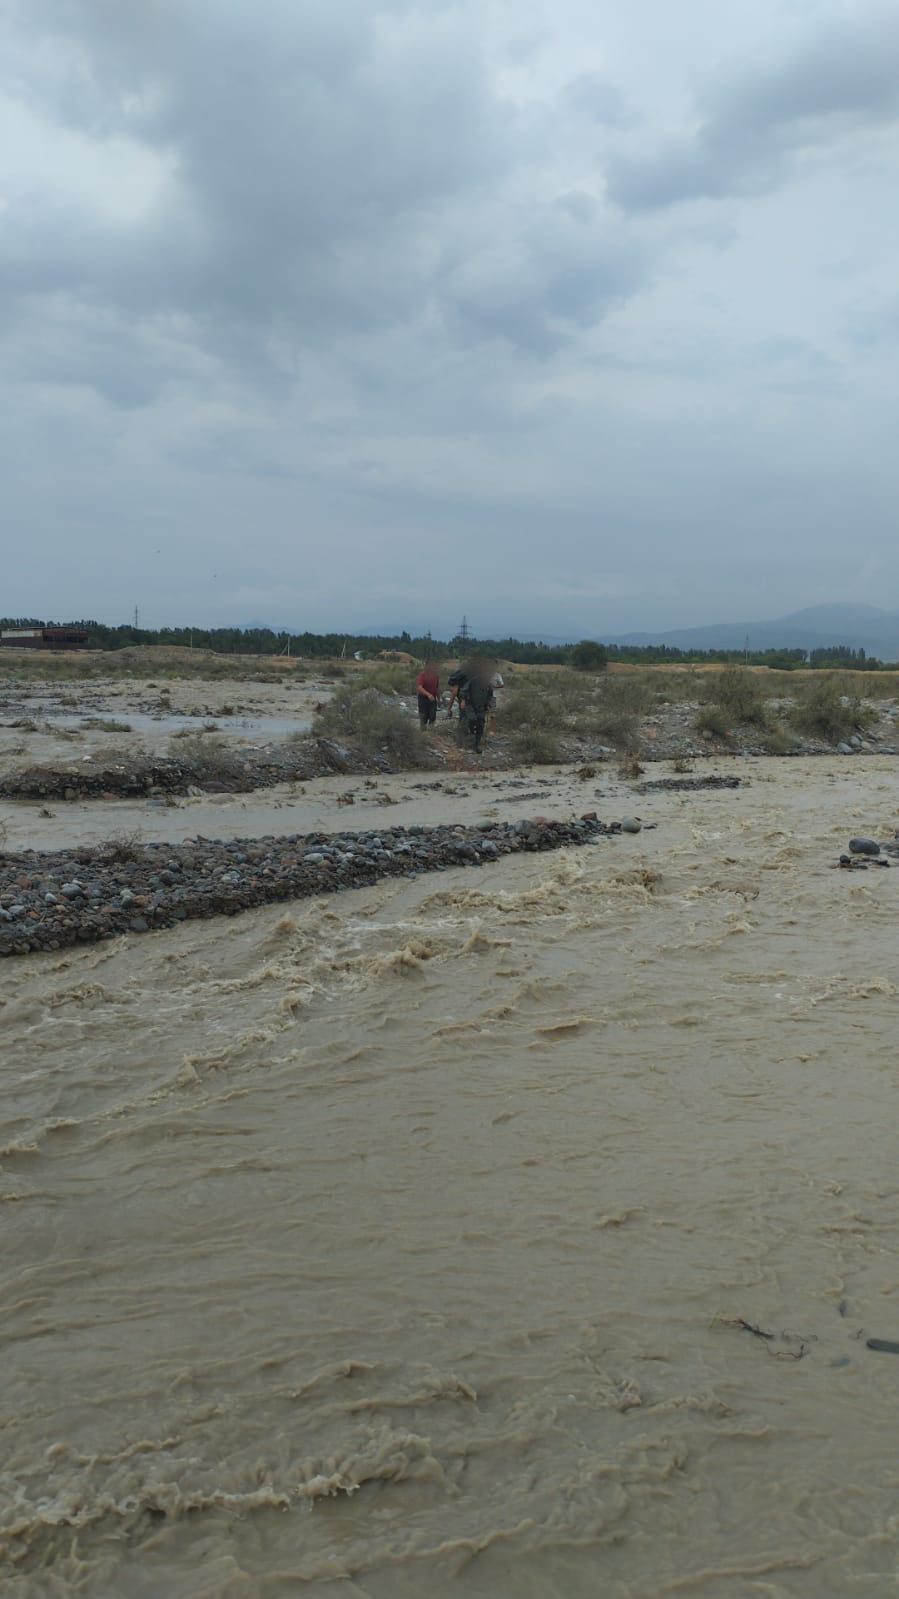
[685, 785]
[49, 900]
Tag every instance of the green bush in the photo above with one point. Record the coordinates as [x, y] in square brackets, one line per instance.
[392, 678]
[828, 712]
[736, 691]
[775, 740]
[538, 746]
[633, 692]
[588, 656]
[546, 706]
[359, 713]
[712, 719]
[615, 727]
[531, 703]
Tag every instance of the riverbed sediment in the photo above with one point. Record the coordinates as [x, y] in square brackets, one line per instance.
[52, 899]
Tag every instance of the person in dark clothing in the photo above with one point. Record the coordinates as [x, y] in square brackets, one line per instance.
[471, 686]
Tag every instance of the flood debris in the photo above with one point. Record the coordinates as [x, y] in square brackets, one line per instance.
[780, 1346]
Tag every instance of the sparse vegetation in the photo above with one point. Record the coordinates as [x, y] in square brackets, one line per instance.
[714, 722]
[775, 740]
[537, 746]
[202, 749]
[392, 678]
[124, 847]
[105, 724]
[737, 693]
[828, 709]
[550, 706]
[630, 768]
[360, 713]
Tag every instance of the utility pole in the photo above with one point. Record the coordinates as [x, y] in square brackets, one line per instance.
[136, 619]
[463, 638]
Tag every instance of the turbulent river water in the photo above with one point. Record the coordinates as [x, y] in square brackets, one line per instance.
[398, 1244]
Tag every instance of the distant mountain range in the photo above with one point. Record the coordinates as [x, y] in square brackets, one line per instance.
[861, 627]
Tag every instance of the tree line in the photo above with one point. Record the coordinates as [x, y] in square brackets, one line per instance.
[588, 655]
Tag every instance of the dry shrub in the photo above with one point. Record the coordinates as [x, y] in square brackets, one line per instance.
[630, 768]
[204, 750]
[123, 847]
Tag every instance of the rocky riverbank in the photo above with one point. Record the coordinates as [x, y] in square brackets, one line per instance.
[237, 770]
[51, 900]
[220, 771]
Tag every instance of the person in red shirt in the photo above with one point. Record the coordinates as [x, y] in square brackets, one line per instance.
[427, 687]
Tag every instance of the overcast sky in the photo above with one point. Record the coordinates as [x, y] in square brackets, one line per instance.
[570, 315]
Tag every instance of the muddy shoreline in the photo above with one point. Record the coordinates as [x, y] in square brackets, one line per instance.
[240, 772]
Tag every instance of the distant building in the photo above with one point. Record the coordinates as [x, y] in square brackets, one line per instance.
[44, 638]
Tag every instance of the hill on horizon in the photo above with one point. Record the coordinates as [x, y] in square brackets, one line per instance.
[859, 627]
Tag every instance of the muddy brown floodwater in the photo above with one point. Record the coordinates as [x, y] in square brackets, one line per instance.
[398, 1245]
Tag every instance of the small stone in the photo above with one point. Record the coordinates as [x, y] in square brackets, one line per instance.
[631, 824]
[863, 846]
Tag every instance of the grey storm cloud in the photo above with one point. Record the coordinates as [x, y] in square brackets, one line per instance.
[752, 120]
[303, 303]
[331, 170]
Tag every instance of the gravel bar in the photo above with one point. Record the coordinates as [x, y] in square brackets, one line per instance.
[685, 785]
[49, 900]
